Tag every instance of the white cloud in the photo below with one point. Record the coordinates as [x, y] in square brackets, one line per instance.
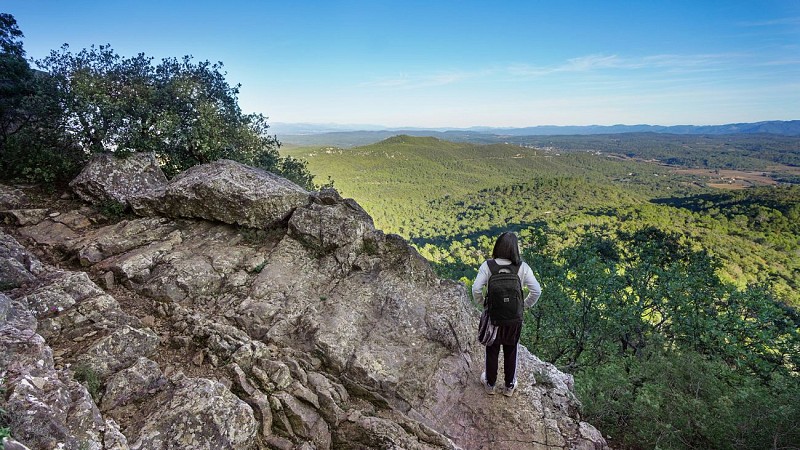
[599, 62]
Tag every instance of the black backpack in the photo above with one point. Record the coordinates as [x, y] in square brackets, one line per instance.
[504, 296]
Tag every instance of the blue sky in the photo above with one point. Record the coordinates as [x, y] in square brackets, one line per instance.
[462, 63]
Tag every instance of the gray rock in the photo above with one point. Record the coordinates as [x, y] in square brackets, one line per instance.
[326, 228]
[113, 439]
[46, 407]
[24, 217]
[305, 421]
[132, 384]
[198, 414]
[11, 198]
[225, 191]
[65, 289]
[48, 232]
[75, 220]
[119, 350]
[108, 178]
[17, 265]
[13, 444]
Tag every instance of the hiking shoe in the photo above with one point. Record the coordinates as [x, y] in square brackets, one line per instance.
[508, 391]
[486, 386]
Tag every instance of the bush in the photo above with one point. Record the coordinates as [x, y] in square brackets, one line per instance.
[86, 375]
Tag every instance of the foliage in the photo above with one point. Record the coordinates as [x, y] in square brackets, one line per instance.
[112, 209]
[4, 433]
[15, 77]
[185, 112]
[740, 152]
[97, 101]
[684, 400]
[665, 354]
[626, 294]
[450, 198]
[85, 374]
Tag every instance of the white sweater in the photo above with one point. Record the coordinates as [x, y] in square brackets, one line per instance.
[526, 277]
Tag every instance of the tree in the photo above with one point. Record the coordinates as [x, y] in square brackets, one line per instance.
[15, 79]
[184, 111]
[10, 36]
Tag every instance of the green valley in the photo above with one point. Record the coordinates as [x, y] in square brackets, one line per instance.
[669, 265]
[450, 198]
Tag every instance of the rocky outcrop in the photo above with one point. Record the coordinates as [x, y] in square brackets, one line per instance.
[224, 191]
[306, 328]
[112, 179]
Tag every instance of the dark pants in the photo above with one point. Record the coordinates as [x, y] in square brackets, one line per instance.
[507, 338]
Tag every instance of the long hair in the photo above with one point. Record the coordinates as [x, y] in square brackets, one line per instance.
[507, 247]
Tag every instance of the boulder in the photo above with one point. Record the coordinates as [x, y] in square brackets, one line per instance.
[48, 232]
[17, 265]
[11, 197]
[133, 384]
[195, 413]
[110, 178]
[119, 350]
[225, 191]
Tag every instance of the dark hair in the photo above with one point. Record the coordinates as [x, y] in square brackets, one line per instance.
[507, 247]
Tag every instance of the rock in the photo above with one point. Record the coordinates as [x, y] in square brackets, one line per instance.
[13, 444]
[199, 414]
[225, 191]
[46, 408]
[17, 266]
[119, 350]
[325, 228]
[24, 217]
[65, 290]
[305, 421]
[108, 178]
[113, 439]
[108, 281]
[49, 233]
[74, 220]
[132, 384]
[11, 198]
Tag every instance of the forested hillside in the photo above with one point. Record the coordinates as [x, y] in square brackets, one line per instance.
[667, 288]
[447, 196]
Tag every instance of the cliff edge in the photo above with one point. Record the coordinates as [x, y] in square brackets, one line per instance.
[236, 310]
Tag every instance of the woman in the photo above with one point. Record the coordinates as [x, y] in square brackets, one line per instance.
[505, 253]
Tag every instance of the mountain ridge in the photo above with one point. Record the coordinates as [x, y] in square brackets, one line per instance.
[341, 136]
[782, 127]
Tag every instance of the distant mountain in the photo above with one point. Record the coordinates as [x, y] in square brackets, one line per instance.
[354, 135]
[282, 128]
[785, 128]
